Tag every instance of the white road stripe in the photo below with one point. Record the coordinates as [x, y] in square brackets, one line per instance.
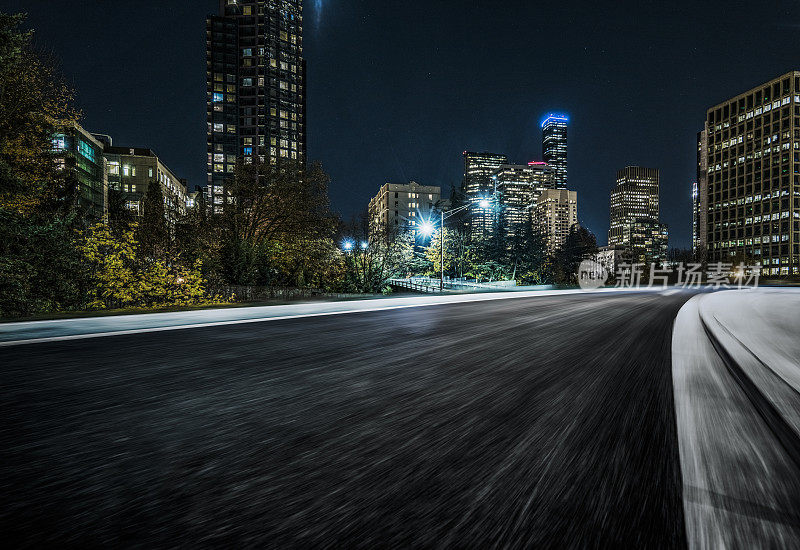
[352, 307]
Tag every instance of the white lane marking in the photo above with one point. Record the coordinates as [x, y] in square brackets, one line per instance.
[142, 330]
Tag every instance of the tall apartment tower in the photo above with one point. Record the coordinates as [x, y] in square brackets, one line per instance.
[478, 184]
[255, 79]
[555, 214]
[554, 146]
[635, 221]
[750, 178]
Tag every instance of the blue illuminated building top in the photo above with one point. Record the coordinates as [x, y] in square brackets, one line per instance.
[557, 117]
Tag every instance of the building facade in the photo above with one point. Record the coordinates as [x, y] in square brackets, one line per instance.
[402, 207]
[635, 221]
[555, 214]
[611, 257]
[634, 196]
[256, 98]
[695, 217]
[477, 185]
[554, 146]
[750, 178]
[517, 187]
[78, 151]
[702, 190]
[131, 170]
[646, 241]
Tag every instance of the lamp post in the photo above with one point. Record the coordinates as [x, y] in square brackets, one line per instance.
[427, 229]
[441, 256]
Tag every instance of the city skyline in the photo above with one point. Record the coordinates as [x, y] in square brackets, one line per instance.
[407, 127]
[300, 274]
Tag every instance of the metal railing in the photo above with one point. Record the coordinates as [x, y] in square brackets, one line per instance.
[428, 284]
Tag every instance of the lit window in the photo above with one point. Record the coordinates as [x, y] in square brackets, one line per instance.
[218, 97]
[113, 168]
[126, 170]
[59, 143]
[86, 150]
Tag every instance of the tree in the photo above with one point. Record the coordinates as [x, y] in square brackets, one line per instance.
[112, 264]
[374, 257]
[119, 216]
[579, 245]
[119, 278]
[34, 103]
[153, 231]
[527, 253]
[276, 214]
[452, 248]
[41, 269]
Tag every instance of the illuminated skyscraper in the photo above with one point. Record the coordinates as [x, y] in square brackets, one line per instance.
[478, 184]
[555, 214]
[695, 216]
[518, 186]
[749, 175]
[255, 75]
[554, 146]
[634, 215]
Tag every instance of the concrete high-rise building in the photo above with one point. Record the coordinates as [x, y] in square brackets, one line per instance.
[478, 184]
[749, 178]
[79, 151]
[634, 196]
[635, 221]
[699, 247]
[555, 214]
[554, 146]
[518, 186]
[401, 207]
[131, 170]
[256, 98]
[646, 240]
[695, 217]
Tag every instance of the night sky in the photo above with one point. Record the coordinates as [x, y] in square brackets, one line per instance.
[398, 89]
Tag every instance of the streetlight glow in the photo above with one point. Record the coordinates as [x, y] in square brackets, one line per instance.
[364, 245]
[484, 203]
[347, 246]
[426, 229]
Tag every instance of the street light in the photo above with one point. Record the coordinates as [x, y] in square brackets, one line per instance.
[364, 245]
[347, 246]
[482, 203]
[426, 229]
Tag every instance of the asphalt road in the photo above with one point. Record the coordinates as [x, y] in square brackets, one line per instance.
[542, 422]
